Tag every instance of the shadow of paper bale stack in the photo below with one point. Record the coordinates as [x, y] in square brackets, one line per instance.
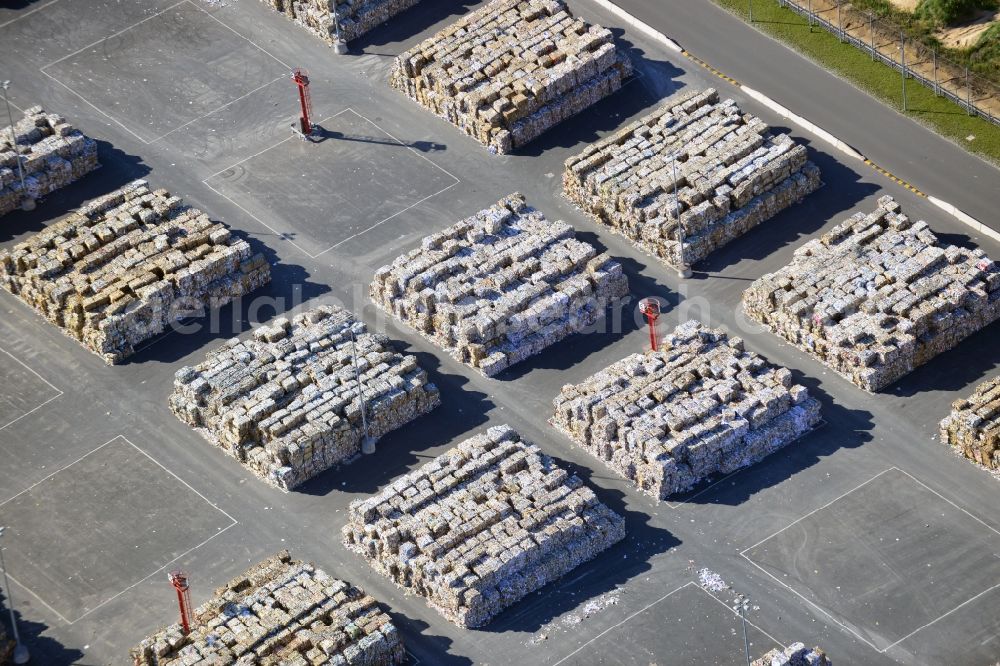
[481, 526]
[6, 644]
[795, 654]
[877, 296]
[509, 71]
[286, 402]
[122, 268]
[281, 611]
[356, 18]
[732, 174]
[53, 154]
[973, 427]
[698, 406]
[500, 286]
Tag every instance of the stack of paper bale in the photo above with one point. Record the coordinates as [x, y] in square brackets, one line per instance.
[281, 611]
[511, 70]
[731, 175]
[877, 296]
[356, 16]
[699, 405]
[500, 286]
[796, 654]
[53, 154]
[123, 267]
[973, 427]
[481, 526]
[287, 402]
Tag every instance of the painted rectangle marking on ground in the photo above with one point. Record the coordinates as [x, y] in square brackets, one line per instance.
[884, 560]
[94, 529]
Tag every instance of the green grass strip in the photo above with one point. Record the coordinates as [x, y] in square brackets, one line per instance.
[883, 82]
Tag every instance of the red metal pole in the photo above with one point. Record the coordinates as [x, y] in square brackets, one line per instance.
[302, 81]
[652, 329]
[651, 308]
[180, 582]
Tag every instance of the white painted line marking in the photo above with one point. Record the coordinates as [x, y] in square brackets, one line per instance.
[648, 606]
[149, 18]
[116, 34]
[59, 392]
[28, 13]
[233, 523]
[352, 236]
[95, 107]
[864, 640]
[838, 497]
[242, 36]
[730, 609]
[216, 110]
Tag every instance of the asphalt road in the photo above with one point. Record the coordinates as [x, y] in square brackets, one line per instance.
[904, 147]
[71, 425]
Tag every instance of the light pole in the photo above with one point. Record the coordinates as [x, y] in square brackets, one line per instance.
[683, 270]
[741, 606]
[750, 3]
[367, 441]
[27, 203]
[21, 654]
[339, 45]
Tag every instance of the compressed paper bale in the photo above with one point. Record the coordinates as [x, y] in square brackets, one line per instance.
[286, 402]
[52, 154]
[973, 427]
[697, 406]
[500, 286]
[481, 526]
[877, 296]
[122, 268]
[796, 654]
[356, 18]
[280, 611]
[511, 70]
[731, 175]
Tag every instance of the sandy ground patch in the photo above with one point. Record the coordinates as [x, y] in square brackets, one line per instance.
[966, 34]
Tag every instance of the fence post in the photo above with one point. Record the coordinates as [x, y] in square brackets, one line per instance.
[810, 15]
[902, 62]
[840, 23]
[968, 91]
[871, 32]
[937, 90]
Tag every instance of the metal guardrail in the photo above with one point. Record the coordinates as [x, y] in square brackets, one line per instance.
[962, 95]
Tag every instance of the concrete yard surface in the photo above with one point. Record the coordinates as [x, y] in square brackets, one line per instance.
[885, 560]
[122, 74]
[318, 193]
[712, 629]
[93, 532]
[99, 526]
[22, 390]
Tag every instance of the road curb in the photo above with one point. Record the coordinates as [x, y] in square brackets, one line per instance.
[965, 218]
[632, 21]
[842, 146]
